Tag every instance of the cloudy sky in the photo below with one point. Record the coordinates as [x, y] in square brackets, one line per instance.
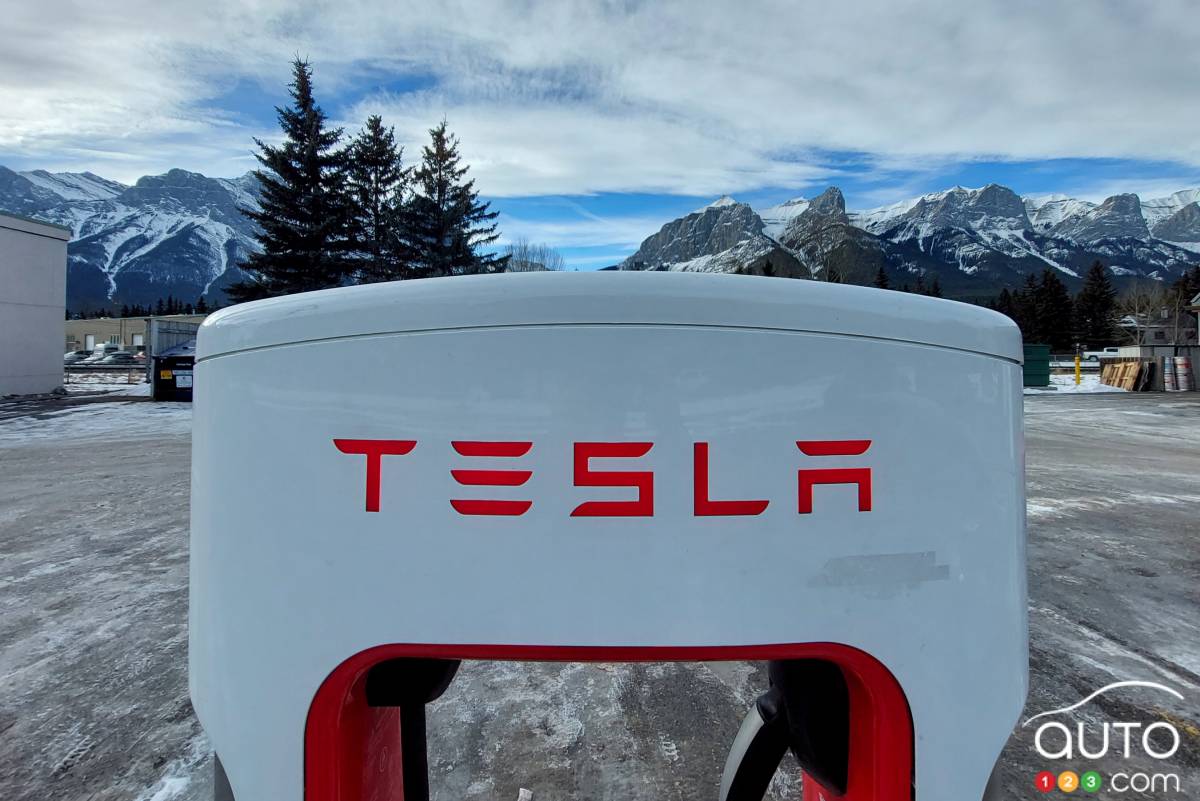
[588, 124]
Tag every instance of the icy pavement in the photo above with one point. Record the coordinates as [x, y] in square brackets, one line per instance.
[93, 603]
[100, 421]
[93, 598]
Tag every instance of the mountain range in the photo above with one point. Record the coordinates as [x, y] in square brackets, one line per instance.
[181, 234]
[975, 241]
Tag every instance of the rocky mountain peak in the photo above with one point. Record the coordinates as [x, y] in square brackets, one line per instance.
[825, 210]
[715, 228]
[1119, 216]
[1182, 226]
[722, 202]
[176, 179]
[830, 202]
[724, 236]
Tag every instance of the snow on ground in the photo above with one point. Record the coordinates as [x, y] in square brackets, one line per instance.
[1061, 384]
[183, 774]
[115, 420]
[117, 383]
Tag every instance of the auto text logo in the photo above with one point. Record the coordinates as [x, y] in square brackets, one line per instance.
[1142, 750]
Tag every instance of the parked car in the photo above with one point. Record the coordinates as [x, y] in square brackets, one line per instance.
[76, 356]
[120, 357]
[1097, 355]
[101, 352]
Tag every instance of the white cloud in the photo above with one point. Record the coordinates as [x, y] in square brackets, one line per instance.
[583, 232]
[1145, 188]
[575, 96]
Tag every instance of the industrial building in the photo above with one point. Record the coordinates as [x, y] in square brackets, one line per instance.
[33, 285]
[128, 332]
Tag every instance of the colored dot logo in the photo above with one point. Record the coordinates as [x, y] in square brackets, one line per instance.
[1068, 781]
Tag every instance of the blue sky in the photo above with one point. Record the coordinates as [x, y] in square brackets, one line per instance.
[589, 124]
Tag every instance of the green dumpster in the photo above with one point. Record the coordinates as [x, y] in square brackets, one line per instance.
[1037, 365]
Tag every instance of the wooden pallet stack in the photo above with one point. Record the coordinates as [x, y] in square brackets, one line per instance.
[1133, 376]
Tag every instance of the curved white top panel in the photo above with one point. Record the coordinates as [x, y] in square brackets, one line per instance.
[610, 297]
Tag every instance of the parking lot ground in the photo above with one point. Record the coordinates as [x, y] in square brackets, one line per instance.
[93, 622]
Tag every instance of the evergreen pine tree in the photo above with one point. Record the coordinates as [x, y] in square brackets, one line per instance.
[1024, 301]
[935, 288]
[920, 285]
[881, 279]
[377, 185]
[1096, 307]
[159, 308]
[1005, 304]
[1054, 313]
[201, 306]
[445, 224]
[304, 215]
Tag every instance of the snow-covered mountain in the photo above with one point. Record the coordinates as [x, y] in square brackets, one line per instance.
[723, 237]
[179, 234]
[776, 218]
[974, 240]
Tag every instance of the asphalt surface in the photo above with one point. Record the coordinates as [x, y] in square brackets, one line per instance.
[93, 623]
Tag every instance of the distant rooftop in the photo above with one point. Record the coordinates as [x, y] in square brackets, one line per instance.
[18, 223]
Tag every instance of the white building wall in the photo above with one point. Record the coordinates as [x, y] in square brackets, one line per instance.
[33, 285]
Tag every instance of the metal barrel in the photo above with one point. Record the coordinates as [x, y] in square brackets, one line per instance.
[1183, 374]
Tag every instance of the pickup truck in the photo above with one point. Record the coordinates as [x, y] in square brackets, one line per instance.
[1097, 355]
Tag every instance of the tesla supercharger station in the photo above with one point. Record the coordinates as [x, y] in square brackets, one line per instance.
[389, 479]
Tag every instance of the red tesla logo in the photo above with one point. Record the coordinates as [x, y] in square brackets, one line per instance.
[642, 505]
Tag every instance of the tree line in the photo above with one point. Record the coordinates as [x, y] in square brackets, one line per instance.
[168, 305]
[1047, 314]
[336, 212]
[919, 286]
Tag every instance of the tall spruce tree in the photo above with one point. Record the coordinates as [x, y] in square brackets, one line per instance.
[304, 217]
[1054, 312]
[377, 183]
[445, 224]
[881, 279]
[1096, 308]
[1024, 302]
[1006, 305]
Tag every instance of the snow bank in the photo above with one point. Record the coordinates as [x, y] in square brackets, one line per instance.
[1060, 384]
[93, 384]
